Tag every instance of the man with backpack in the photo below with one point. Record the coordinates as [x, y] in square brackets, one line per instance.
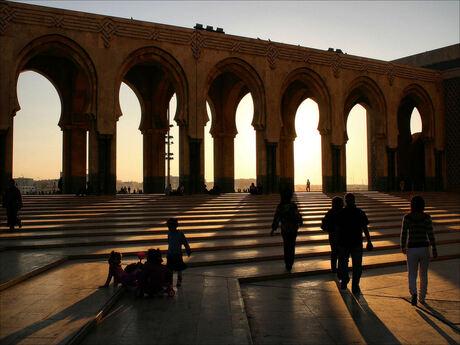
[291, 220]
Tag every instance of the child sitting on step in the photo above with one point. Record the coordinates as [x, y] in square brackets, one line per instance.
[154, 277]
[176, 239]
[118, 273]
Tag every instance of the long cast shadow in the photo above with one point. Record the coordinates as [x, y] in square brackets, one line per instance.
[368, 323]
[75, 312]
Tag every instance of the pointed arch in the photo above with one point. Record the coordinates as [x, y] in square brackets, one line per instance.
[299, 85]
[250, 81]
[415, 96]
[365, 91]
[64, 49]
[165, 61]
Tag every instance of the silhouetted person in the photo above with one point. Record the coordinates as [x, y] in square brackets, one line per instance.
[89, 188]
[215, 190]
[416, 237]
[60, 185]
[288, 214]
[330, 224]
[352, 223]
[176, 239]
[117, 272]
[154, 277]
[401, 185]
[252, 189]
[308, 185]
[168, 189]
[12, 201]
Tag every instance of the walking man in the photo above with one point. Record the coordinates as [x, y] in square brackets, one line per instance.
[352, 223]
[291, 220]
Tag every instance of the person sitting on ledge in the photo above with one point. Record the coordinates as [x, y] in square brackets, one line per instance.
[154, 277]
[117, 272]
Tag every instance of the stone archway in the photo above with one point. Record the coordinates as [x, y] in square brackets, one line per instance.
[301, 84]
[67, 66]
[365, 91]
[415, 153]
[155, 76]
[227, 83]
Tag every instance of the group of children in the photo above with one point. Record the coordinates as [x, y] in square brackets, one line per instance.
[152, 277]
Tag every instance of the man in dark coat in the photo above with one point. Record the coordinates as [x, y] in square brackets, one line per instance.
[352, 223]
[12, 201]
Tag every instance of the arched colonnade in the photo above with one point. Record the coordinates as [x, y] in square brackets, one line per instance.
[87, 72]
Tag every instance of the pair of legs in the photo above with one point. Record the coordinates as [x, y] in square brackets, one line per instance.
[12, 215]
[356, 254]
[289, 249]
[418, 257]
[334, 255]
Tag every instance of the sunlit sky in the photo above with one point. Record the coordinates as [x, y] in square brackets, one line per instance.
[384, 30]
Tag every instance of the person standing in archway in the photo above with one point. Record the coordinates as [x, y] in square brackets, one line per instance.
[12, 201]
[308, 185]
[291, 220]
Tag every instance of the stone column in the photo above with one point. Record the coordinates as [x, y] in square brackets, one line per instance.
[378, 172]
[391, 159]
[286, 159]
[196, 180]
[154, 160]
[261, 161]
[272, 183]
[224, 162]
[73, 159]
[338, 166]
[102, 162]
[439, 158]
[6, 158]
[326, 161]
[430, 166]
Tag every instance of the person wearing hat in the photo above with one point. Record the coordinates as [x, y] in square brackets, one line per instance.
[176, 239]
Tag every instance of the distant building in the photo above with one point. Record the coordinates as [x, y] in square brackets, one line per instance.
[25, 185]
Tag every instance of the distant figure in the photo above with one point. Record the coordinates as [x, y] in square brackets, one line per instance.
[401, 185]
[12, 201]
[416, 237]
[129, 190]
[330, 224]
[308, 185]
[288, 214]
[252, 189]
[352, 223]
[54, 188]
[60, 185]
[168, 189]
[215, 190]
[176, 239]
[89, 188]
[154, 277]
[117, 272]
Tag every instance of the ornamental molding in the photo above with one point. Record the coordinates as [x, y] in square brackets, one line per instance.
[110, 28]
[6, 16]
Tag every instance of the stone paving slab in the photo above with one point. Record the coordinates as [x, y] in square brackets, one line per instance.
[51, 307]
[314, 310]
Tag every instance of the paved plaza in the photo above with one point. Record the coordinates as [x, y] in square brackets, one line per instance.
[235, 290]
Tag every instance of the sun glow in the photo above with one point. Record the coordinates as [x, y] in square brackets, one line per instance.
[307, 145]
